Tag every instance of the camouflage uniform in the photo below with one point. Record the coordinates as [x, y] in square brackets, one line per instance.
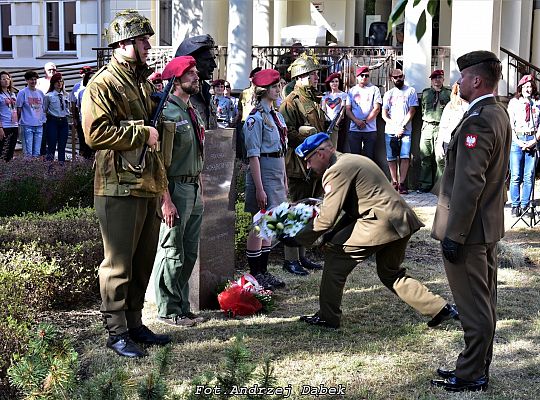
[116, 110]
[431, 169]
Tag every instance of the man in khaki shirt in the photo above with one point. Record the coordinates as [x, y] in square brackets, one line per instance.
[376, 220]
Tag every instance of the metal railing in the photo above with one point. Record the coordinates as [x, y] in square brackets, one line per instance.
[514, 68]
[381, 59]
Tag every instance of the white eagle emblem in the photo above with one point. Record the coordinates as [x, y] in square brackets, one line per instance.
[470, 141]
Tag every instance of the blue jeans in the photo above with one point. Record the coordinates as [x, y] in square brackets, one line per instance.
[521, 172]
[404, 149]
[363, 143]
[57, 133]
[32, 140]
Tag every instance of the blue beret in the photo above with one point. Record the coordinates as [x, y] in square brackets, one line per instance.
[311, 143]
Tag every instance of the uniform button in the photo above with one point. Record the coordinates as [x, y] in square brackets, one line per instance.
[125, 191]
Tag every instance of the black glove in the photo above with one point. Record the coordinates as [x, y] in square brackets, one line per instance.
[288, 241]
[450, 249]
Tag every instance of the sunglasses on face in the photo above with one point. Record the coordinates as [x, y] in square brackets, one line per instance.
[364, 75]
[227, 87]
[397, 77]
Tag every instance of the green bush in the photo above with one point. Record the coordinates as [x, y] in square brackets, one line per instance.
[32, 185]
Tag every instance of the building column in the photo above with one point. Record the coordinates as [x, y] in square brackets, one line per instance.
[416, 53]
[187, 19]
[350, 12]
[469, 21]
[261, 20]
[280, 20]
[240, 40]
[535, 37]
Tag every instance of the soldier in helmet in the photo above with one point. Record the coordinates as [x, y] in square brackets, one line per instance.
[304, 117]
[201, 48]
[116, 113]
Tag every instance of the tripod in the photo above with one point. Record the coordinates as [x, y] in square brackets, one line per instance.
[529, 213]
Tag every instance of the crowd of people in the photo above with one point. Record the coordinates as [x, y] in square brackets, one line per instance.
[41, 111]
[298, 144]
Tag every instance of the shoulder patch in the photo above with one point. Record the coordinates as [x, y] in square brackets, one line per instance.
[250, 122]
[470, 141]
[327, 188]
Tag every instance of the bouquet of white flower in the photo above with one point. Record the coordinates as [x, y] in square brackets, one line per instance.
[287, 219]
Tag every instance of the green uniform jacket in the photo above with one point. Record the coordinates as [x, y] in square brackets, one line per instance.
[432, 112]
[470, 208]
[374, 213]
[107, 128]
[187, 158]
[300, 108]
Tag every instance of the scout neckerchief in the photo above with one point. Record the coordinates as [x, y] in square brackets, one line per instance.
[199, 130]
[282, 128]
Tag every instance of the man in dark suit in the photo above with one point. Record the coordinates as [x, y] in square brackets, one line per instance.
[376, 220]
[469, 220]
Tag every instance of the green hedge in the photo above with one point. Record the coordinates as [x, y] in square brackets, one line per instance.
[46, 261]
[32, 185]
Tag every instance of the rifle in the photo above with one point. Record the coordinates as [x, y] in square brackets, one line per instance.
[155, 119]
[335, 121]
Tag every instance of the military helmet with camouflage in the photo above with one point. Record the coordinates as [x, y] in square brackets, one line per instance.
[128, 24]
[303, 65]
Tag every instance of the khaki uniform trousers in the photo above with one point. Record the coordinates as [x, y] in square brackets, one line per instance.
[341, 260]
[129, 228]
[473, 280]
[177, 251]
[430, 168]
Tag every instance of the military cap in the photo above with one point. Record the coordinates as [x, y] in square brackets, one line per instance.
[254, 71]
[155, 77]
[332, 77]
[177, 67]
[362, 69]
[436, 72]
[266, 77]
[525, 79]
[218, 82]
[128, 24]
[192, 44]
[85, 69]
[310, 144]
[474, 58]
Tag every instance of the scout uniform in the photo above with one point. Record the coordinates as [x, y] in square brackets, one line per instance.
[470, 219]
[374, 222]
[433, 103]
[116, 110]
[178, 246]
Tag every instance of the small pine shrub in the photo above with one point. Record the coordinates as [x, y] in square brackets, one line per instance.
[111, 384]
[47, 369]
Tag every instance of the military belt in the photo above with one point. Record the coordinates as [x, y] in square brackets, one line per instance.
[185, 179]
[276, 154]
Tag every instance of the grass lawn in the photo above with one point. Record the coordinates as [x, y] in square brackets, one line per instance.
[384, 349]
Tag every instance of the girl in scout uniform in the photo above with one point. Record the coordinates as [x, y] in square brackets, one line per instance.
[265, 137]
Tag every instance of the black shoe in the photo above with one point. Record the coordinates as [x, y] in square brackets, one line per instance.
[274, 280]
[264, 282]
[316, 320]
[455, 384]
[145, 336]
[308, 264]
[516, 211]
[449, 311]
[294, 267]
[124, 346]
[446, 373]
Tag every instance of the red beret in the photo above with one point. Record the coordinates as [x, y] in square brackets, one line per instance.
[266, 77]
[218, 82]
[362, 69]
[525, 79]
[177, 67]
[436, 72]
[155, 77]
[57, 77]
[85, 69]
[332, 76]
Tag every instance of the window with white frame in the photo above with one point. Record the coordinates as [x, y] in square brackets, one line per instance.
[6, 45]
[60, 18]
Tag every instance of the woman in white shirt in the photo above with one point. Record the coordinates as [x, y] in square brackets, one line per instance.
[9, 124]
[57, 109]
[333, 103]
[524, 110]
